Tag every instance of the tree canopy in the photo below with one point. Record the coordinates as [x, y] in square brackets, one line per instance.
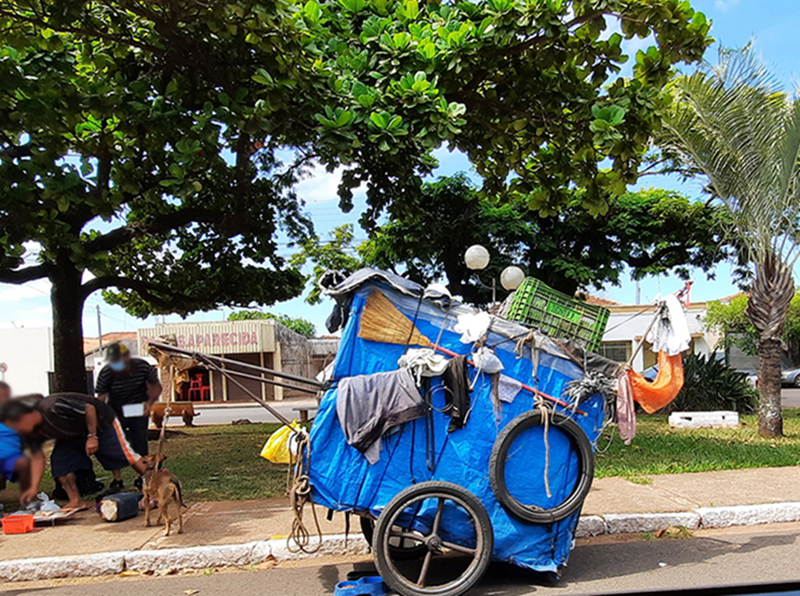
[296, 324]
[649, 232]
[730, 321]
[153, 145]
[523, 88]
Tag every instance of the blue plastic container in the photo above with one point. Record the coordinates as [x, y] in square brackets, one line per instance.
[366, 586]
[119, 507]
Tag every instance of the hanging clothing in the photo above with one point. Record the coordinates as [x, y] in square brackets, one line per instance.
[473, 326]
[507, 388]
[486, 361]
[670, 334]
[369, 405]
[457, 390]
[666, 386]
[423, 362]
[626, 409]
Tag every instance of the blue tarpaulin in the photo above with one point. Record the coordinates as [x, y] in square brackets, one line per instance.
[342, 479]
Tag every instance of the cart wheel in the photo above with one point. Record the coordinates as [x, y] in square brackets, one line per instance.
[497, 468]
[403, 549]
[453, 527]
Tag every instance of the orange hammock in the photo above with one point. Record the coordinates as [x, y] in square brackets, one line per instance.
[658, 394]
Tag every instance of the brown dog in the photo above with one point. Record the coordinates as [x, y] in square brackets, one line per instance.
[164, 487]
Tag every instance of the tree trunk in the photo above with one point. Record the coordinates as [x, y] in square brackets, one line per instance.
[767, 308]
[67, 300]
[770, 418]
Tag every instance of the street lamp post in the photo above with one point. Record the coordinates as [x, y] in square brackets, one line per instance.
[477, 258]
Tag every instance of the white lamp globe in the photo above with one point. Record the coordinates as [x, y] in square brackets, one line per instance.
[512, 277]
[476, 257]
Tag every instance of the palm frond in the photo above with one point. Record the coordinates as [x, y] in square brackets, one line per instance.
[734, 122]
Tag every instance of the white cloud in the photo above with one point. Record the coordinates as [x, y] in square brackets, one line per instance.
[726, 5]
[35, 289]
[320, 186]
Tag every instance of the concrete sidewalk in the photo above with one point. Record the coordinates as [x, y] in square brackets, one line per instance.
[615, 505]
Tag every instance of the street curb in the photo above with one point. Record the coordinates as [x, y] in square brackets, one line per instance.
[193, 557]
[253, 553]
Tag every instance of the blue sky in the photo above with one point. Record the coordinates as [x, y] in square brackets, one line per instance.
[774, 25]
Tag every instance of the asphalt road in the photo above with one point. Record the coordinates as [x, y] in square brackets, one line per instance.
[598, 566]
[790, 398]
[225, 414]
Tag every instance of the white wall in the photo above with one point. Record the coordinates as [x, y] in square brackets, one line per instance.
[28, 352]
[625, 325]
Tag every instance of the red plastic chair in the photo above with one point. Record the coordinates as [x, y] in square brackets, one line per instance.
[196, 387]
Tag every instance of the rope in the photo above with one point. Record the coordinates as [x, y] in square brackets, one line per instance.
[546, 422]
[162, 436]
[299, 496]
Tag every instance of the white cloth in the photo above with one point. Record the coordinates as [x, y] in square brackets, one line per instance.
[473, 326]
[423, 362]
[508, 388]
[487, 361]
[670, 333]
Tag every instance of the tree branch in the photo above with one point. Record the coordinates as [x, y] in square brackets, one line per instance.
[164, 223]
[144, 289]
[21, 276]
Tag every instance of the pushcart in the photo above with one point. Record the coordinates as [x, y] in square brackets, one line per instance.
[441, 502]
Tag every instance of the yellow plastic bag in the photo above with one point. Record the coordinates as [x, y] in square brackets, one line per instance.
[277, 448]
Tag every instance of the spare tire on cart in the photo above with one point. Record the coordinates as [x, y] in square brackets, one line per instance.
[450, 523]
[558, 422]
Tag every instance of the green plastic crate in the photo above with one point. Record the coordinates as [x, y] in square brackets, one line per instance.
[537, 305]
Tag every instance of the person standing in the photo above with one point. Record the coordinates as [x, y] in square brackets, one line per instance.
[130, 386]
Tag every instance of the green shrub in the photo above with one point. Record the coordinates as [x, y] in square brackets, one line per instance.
[709, 384]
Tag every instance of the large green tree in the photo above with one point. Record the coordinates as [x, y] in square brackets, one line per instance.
[296, 324]
[732, 124]
[649, 232]
[534, 88]
[140, 141]
[730, 320]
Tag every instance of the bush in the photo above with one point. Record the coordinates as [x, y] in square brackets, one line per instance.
[709, 384]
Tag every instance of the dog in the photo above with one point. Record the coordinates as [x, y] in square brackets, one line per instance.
[165, 488]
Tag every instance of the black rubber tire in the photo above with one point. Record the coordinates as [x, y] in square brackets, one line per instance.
[796, 382]
[398, 552]
[443, 491]
[497, 468]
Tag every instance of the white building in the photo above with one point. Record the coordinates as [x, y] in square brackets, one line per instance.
[627, 324]
[27, 354]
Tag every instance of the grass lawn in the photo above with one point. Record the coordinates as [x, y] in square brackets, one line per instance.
[215, 463]
[658, 449]
[218, 463]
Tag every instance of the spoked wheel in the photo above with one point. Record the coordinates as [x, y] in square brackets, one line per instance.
[403, 549]
[450, 524]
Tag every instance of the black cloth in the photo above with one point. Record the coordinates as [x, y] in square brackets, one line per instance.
[114, 452]
[64, 418]
[136, 432]
[128, 387]
[456, 383]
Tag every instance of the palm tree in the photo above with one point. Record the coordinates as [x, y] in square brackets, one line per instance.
[734, 124]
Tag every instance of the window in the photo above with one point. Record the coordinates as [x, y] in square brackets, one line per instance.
[618, 351]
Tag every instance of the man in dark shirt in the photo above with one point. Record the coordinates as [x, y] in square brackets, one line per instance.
[81, 425]
[131, 382]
